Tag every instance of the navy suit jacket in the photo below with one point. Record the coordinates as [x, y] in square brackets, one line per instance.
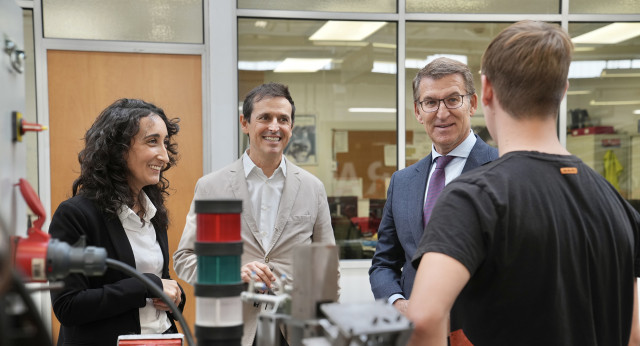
[402, 226]
[96, 310]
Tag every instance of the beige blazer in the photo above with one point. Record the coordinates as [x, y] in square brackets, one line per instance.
[303, 217]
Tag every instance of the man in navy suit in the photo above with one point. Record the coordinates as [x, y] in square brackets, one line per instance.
[444, 102]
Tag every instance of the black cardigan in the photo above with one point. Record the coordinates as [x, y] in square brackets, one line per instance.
[96, 310]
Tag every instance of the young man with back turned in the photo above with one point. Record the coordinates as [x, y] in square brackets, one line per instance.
[537, 247]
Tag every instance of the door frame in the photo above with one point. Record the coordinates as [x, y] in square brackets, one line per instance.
[226, 92]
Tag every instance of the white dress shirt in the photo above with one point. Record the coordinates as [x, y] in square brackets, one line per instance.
[454, 168]
[148, 255]
[265, 193]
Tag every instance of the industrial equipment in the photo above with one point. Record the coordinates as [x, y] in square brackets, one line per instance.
[309, 315]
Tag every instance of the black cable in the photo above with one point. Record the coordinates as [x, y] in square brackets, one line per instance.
[123, 267]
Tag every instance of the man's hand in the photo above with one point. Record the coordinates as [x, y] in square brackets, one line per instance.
[401, 305]
[260, 272]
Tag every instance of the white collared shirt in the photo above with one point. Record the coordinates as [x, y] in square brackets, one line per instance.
[149, 259]
[265, 193]
[454, 168]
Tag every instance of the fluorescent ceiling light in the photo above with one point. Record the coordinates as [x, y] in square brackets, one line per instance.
[384, 67]
[614, 103]
[610, 34]
[372, 110]
[604, 68]
[340, 44]
[461, 58]
[586, 68]
[354, 44]
[419, 64]
[346, 31]
[384, 45]
[258, 65]
[620, 72]
[637, 111]
[578, 92]
[301, 65]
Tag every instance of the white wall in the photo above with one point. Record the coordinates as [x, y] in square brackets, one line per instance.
[354, 281]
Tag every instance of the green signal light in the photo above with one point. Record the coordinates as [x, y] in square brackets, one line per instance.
[219, 269]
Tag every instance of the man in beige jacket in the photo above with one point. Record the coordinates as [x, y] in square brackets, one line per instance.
[283, 206]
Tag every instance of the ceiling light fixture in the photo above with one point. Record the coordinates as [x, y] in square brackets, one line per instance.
[372, 110]
[340, 44]
[610, 34]
[384, 67]
[614, 103]
[637, 111]
[420, 63]
[335, 30]
[301, 65]
[620, 72]
[262, 65]
[384, 45]
[578, 92]
[584, 49]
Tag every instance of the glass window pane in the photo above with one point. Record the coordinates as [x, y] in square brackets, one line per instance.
[372, 6]
[177, 21]
[345, 124]
[604, 7]
[465, 42]
[488, 6]
[603, 102]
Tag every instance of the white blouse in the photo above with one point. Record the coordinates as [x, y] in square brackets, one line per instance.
[148, 255]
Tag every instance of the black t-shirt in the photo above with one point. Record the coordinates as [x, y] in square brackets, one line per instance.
[551, 247]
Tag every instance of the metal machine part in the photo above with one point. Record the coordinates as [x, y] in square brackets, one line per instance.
[277, 310]
[308, 312]
[372, 324]
[16, 55]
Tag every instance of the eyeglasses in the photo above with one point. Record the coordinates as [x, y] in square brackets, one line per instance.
[451, 102]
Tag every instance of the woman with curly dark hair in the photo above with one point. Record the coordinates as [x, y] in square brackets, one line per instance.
[118, 204]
